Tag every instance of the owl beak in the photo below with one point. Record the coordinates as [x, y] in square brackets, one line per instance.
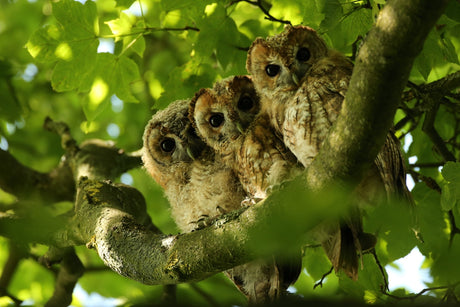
[239, 127]
[295, 79]
[190, 153]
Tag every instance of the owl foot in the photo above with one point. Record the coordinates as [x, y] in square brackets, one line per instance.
[249, 201]
[203, 222]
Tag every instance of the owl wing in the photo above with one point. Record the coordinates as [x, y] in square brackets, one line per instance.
[264, 160]
[390, 163]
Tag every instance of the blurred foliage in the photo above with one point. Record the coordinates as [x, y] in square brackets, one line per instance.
[105, 67]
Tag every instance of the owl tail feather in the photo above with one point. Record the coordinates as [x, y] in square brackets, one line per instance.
[345, 248]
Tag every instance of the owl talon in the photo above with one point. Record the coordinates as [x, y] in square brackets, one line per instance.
[203, 222]
[249, 201]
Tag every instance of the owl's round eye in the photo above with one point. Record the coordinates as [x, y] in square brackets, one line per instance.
[272, 70]
[303, 54]
[245, 103]
[168, 145]
[216, 120]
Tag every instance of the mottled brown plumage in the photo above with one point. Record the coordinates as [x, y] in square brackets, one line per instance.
[302, 84]
[196, 182]
[243, 136]
[227, 118]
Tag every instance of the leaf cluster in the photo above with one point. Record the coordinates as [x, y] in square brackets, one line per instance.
[105, 66]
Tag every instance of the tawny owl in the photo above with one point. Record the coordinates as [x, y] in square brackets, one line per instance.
[302, 84]
[227, 117]
[196, 183]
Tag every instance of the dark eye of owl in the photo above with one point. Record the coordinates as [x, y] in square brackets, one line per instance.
[216, 120]
[245, 103]
[272, 70]
[168, 145]
[303, 54]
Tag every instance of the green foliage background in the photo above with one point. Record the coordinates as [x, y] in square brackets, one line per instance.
[164, 50]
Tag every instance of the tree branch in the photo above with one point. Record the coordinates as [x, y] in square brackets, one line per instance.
[381, 72]
[260, 5]
[28, 184]
[70, 270]
[112, 218]
[16, 254]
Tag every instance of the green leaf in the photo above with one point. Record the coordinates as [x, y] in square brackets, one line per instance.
[333, 12]
[430, 220]
[316, 262]
[219, 35]
[355, 24]
[79, 20]
[122, 26]
[70, 75]
[451, 190]
[43, 43]
[392, 223]
[451, 172]
[72, 43]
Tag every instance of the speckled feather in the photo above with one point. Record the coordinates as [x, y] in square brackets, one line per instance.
[248, 144]
[303, 100]
[196, 188]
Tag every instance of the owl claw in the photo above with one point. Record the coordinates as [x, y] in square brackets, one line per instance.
[249, 201]
[203, 222]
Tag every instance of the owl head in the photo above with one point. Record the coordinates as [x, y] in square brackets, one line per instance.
[281, 61]
[170, 143]
[222, 114]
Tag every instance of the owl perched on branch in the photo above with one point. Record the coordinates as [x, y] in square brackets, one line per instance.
[196, 182]
[302, 84]
[227, 118]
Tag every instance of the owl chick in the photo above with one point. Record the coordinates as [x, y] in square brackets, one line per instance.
[302, 85]
[196, 182]
[226, 117]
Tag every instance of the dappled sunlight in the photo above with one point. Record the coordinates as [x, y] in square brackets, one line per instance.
[172, 18]
[64, 52]
[98, 93]
[210, 9]
[89, 126]
[386, 20]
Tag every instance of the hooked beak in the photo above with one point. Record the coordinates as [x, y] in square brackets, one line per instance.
[295, 79]
[190, 153]
[239, 127]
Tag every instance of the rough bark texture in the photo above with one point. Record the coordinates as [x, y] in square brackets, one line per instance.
[112, 218]
[380, 74]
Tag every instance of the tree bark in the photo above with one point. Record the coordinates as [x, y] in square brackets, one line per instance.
[112, 218]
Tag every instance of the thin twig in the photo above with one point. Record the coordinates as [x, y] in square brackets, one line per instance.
[412, 297]
[382, 270]
[68, 143]
[320, 282]
[259, 4]
[453, 227]
[429, 129]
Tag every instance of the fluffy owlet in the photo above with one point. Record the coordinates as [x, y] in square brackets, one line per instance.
[196, 182]
[227, 118]
[302, 84]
